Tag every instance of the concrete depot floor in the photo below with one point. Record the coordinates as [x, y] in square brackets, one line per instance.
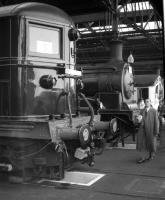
[124, 180]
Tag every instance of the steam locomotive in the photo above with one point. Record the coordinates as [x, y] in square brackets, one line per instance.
[40, 131]
[110, 88]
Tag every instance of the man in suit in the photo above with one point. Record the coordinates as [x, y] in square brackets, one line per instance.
[147, 134]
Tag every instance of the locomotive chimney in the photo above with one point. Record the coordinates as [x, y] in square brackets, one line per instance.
[116, 50]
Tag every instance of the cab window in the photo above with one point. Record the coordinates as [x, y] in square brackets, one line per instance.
[45, 41]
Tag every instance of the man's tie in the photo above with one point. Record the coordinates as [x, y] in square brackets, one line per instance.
[145, 113]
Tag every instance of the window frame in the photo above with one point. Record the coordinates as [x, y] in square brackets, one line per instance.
[49, 27]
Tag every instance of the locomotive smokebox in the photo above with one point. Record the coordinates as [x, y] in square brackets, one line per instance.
[114, 76]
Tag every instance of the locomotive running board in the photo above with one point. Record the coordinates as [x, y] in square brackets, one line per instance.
[75, 178]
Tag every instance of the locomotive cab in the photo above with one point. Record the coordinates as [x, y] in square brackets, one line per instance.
[35, 38]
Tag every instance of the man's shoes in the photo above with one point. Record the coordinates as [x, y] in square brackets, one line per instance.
[151, 157]
[142, 160]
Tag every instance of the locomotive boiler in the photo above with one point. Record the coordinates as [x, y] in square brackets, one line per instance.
[110, 88]
[40, 132]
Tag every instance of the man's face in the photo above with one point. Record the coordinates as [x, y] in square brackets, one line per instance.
[147, 103]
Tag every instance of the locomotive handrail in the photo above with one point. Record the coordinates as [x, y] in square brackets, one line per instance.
[60, 64]
[33, 66]
[24, 117]
[63, 93]
[69, 108]
[90, 107]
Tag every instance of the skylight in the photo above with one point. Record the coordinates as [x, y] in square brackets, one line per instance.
[123, 27]
[138, 7]
[145, 5]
